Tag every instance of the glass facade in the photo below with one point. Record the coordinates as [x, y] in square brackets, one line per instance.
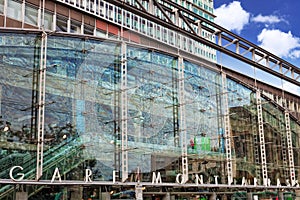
[84, 121]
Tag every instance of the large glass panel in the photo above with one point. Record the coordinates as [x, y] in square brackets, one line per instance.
[19, 60]
[247, 142]
[80, 117]
[244, 132]
[203, 121]
[75, 27]
[152, 114]
[61, 24]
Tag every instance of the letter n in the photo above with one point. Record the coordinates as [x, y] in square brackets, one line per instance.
[199, 180]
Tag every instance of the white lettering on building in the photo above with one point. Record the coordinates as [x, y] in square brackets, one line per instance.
[19, 174]
[56, 174]
[156, 178]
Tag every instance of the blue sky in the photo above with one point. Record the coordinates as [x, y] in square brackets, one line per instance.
[271, 24]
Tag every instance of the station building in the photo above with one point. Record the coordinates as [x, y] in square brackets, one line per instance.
[100, 100]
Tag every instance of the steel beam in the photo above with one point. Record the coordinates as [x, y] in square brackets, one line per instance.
[224, 35]
[41, 106]
[182, 119]
[124, 110]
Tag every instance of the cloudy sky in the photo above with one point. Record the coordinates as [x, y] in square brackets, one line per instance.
[271, 24]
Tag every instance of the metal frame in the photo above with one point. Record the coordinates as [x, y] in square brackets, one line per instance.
[290, 147]
[255, 141]
[283, 144]
[227, 130]
[41, 106]
[261, 139]
[285, 70]
[124, 108]
[182, 118]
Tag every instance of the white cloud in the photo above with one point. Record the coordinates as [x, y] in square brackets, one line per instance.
[270, 19]
[279, 43]
[232, 16]
[295, 54]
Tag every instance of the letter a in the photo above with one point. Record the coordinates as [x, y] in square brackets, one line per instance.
[56, 174]
[278, 182]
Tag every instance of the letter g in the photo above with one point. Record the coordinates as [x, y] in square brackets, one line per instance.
[19, 174]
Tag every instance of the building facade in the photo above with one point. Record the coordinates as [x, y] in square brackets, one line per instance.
[100, 103]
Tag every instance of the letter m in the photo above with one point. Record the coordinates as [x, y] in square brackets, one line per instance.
[156, 179]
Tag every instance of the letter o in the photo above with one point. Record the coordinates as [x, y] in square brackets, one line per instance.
[182, 179]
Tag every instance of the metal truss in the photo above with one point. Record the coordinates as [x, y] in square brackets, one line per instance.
[290, 147]
[227, 135]
[256, 142]
[175, 17]
[261, 136]
[283, 144]
[117, 124]
[124, 109]
[41, 106]
[182, 119]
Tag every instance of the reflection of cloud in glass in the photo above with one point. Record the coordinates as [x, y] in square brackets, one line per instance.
[291, 88]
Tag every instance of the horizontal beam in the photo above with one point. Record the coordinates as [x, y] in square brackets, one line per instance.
[224, 34]
[146, 184]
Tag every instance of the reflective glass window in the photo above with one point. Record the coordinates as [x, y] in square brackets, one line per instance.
[48, 23]
[1, 6]
[14, 10]
[75, 27]
[61, 24]
[31, 15]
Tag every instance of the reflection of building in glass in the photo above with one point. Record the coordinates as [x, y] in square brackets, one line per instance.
[103, 108]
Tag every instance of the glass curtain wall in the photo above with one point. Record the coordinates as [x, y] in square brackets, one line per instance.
[19, 61]
[83, 117]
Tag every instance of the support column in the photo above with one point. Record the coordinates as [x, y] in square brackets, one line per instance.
[105, 196]
[227, 131]
[280, 195]
[124, 109]
[297, 193]
[139, 192]
[76, 192]
[290, 148]
[249, 195]
[167, 196]
[182, 118]
[284, 147]
[41, 106]
[254, 128]
[213, 196]
[261, 139]
[21, 196]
